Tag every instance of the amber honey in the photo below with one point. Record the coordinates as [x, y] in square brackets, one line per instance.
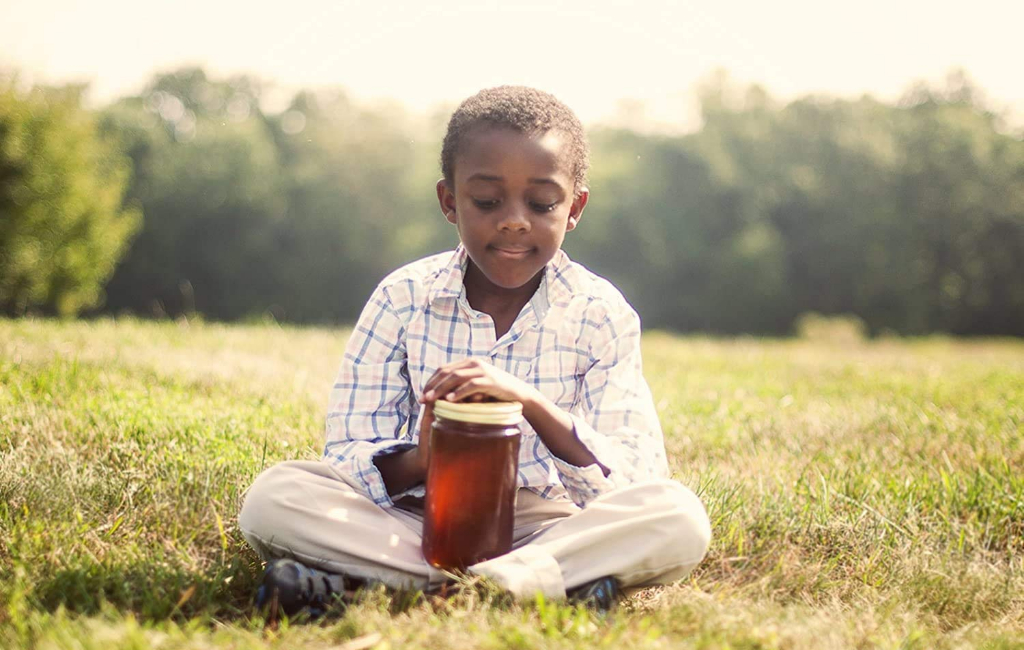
[471, 482]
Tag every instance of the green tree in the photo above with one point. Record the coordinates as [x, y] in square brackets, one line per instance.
[62, 223]
[211, 188]
[356, 191]
[296, 214]
[674, 239]
[909, 216]
[961, 193]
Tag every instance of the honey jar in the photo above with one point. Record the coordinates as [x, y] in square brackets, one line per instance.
[471, 482]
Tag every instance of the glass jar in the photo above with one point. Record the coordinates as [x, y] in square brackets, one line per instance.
[472, 467]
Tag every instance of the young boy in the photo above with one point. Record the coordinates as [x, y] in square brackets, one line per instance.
[506, 315]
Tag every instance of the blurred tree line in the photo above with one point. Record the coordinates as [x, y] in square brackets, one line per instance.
[62, 225]
[908, 215]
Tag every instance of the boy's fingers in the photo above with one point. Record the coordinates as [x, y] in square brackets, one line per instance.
[451, 382]
[455, 365]
[433, 380]
[468, 389]
[443, 388]
[474, 367]
[439, 375]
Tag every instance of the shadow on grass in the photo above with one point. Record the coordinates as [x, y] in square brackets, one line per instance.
[152, 592]
[159, 591]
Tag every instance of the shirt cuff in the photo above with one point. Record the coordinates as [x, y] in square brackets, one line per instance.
[584, 483]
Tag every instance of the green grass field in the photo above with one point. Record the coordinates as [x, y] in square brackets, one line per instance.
[861, 495]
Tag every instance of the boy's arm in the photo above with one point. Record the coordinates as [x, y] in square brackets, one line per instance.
[371, 402]
[615, 417]
[473, 378]
[611, 438]
[407, 468]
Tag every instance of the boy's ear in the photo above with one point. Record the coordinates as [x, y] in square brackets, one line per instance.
[446, 199]
[576, 211]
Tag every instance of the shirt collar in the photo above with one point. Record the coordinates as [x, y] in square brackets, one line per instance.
[557, 282]
[448, 282]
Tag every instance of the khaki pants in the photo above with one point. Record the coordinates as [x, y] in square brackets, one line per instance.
[648, 533]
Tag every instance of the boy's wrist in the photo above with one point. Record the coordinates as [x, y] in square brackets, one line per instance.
[546, 417]
[415, 463]
[402, 469]
[418, 458]
[533, 402]
[557, 430]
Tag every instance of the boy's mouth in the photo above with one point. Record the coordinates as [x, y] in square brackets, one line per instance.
[512, 252]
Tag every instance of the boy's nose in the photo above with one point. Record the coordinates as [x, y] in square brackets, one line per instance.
[515, 218]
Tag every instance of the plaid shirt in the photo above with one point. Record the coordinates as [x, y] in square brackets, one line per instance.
[577, 341]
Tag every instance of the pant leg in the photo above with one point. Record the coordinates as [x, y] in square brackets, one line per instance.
[535, 514]
[653, 532]
[647, 533]
[306, 510]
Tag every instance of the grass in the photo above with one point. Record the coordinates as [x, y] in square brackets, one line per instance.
[861, 495]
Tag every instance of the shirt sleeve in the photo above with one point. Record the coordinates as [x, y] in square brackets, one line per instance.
[615, 416]
[370, 405]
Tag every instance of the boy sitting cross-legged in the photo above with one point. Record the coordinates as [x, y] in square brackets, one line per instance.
[509, 316]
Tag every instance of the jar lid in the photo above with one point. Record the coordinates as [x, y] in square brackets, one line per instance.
[480, 412]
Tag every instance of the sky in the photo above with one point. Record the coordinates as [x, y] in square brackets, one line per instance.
[604, 59]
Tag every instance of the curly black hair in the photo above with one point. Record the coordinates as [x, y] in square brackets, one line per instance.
[524, 109]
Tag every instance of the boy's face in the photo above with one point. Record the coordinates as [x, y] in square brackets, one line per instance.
[512, 202]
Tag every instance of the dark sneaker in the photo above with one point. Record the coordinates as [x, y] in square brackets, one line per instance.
[600, 595]
[290, 587]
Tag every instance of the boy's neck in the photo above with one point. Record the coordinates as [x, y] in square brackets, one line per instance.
[499, 303]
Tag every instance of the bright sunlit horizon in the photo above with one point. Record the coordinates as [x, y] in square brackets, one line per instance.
[602, 59]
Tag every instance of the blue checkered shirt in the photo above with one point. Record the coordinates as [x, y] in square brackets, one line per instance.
[577, 341]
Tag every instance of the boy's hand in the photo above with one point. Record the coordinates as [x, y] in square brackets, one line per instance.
[475, 380]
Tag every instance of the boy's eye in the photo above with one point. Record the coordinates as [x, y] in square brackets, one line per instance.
[489, 204]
